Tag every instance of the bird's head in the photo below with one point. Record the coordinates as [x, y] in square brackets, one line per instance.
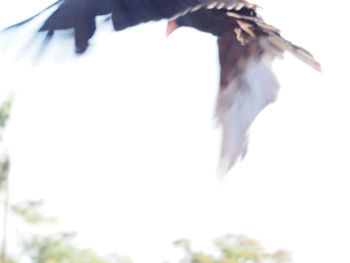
[199, 20]
[172, 26]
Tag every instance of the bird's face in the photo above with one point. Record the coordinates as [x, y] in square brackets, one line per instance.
[172, 26]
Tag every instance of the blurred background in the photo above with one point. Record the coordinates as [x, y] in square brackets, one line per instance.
[120, 144]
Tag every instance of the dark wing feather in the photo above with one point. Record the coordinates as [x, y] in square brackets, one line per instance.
[80, 14]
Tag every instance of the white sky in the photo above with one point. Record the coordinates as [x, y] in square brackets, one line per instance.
[121, 143]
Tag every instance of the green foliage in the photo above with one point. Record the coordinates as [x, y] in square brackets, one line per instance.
[30, 212]
[233, 249]
[4, 174]
[4, 168]
[60, 248]
[4, 162]
[5, 112]
[9, 260]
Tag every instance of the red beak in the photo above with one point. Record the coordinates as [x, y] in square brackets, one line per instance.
[172, 26]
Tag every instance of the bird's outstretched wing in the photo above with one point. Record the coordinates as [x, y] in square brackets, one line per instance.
[247, 83]
[80, 14]
[247, 46]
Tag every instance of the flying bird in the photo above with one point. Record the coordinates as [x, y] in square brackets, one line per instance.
[246, 44]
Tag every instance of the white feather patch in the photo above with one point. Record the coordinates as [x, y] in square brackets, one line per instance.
[239, 104]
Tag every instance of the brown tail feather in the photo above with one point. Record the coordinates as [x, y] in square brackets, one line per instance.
[299, 52]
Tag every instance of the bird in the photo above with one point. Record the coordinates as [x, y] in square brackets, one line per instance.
[247, 47]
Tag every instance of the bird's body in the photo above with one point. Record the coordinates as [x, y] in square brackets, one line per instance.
[247, 46]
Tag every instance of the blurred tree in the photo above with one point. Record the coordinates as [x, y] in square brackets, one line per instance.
[30, 212]
[5, 112]
[60, 248]
[57, 248]
[233, 249]
[4, 176]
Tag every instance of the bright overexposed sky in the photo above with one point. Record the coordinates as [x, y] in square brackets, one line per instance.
[122, 145]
